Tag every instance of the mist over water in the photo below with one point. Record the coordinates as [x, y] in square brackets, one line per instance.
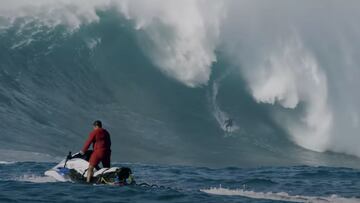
[164, 76]
[298, 57]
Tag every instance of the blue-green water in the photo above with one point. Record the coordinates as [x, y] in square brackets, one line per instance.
[25, 182]
[54, 81]
[164, 77]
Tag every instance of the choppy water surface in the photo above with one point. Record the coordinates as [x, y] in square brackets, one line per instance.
[25, 181]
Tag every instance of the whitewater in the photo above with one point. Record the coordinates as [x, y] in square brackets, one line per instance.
[164, 77]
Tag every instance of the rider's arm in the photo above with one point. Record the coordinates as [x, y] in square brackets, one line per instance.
[88, 142]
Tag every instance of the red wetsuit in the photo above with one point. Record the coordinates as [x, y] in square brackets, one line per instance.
[100, 138]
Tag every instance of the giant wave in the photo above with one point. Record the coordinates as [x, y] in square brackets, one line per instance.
[164, 76]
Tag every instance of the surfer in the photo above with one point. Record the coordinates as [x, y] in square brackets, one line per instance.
[228, 124]
[100, 138]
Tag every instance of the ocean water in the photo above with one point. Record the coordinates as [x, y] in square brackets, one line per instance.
[164, 76]
[25, 182]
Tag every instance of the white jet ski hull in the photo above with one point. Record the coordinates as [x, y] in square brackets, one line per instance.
[74, 169]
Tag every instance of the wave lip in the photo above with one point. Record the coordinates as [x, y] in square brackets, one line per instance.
[278, 196]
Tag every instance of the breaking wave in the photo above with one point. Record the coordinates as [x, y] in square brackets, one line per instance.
[165, 76]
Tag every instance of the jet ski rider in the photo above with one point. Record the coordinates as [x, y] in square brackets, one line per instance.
[100, 138]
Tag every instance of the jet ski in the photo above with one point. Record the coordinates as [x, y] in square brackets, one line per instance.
[74, 169]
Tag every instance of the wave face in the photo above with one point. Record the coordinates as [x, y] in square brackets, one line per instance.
[165, 76]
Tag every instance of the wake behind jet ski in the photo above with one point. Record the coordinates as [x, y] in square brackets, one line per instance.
[74, 169]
